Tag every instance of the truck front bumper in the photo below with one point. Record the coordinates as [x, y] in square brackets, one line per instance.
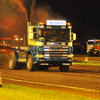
[55, 62]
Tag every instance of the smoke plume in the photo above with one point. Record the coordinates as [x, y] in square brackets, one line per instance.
[14, 15]
[44, 12]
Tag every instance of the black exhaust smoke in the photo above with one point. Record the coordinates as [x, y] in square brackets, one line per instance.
[14, 15]
[29, 4]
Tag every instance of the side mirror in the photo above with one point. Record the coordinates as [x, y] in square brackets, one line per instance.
[73, 36]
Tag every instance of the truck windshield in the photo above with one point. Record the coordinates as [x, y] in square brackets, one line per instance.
[97, 44]
[54, 34]
[90, 42]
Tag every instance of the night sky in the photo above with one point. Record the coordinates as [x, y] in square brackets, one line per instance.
[84, 15]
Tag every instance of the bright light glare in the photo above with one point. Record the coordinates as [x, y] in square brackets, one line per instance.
[42, 26]
[21, 39]
[16, 39]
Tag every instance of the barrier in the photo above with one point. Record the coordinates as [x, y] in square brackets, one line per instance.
[86, 59]
[0, 80]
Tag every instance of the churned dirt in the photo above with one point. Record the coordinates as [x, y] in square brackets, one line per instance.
[3, 63]
[82, 76]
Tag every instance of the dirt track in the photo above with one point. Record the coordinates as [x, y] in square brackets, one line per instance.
[80, 76]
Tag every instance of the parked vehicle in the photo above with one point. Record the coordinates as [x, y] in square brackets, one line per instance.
[93, 48]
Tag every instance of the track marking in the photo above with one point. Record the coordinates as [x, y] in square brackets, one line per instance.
[71, 87]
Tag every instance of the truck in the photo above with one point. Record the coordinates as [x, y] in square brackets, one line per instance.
[93, 47]
[50, 44]
[8, 42]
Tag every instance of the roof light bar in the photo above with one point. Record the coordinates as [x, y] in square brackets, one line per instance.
[56, 22]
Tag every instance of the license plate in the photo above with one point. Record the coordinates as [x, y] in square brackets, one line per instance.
[44, 64]
[66, 63]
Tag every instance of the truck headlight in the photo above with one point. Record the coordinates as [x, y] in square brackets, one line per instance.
[39, 56]
[87, 50]
[70, 56]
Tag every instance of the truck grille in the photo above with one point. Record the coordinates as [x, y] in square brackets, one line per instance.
[56, 52]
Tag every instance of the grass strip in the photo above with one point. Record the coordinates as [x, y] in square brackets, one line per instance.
[97, 63]
[14, 92]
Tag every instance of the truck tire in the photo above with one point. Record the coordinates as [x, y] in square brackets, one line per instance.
[29, 62]
[64, 68]
[12, 61]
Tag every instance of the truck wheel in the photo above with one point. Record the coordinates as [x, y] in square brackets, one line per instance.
[12, 60]
[30, 65]
[64, 68]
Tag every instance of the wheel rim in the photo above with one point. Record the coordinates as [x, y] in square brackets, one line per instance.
[28, 63]
[10, 62]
